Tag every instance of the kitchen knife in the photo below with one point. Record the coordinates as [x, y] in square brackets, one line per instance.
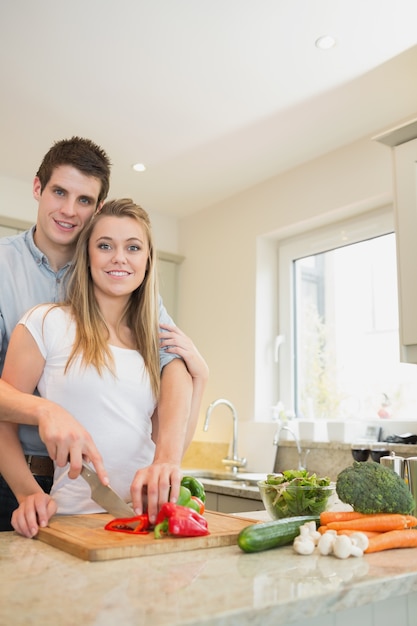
[105, 496]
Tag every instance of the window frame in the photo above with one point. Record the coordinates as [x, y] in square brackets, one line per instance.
[359, 228]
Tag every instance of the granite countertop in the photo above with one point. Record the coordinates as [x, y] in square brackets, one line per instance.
[242, 489]
[215, 586]
[398, 448]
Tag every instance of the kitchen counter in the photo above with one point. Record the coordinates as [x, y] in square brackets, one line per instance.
[40, 584]
[330, 457]
[327, 458]
[324, 458]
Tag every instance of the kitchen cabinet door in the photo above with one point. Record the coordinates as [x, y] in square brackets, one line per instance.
[212, 501]
[405, 184]
[168, 268]
[233, 504]
[403, 141]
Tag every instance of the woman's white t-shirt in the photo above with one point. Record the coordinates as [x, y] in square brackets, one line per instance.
[116, 409]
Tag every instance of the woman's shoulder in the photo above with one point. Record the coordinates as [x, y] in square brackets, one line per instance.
[44, 311]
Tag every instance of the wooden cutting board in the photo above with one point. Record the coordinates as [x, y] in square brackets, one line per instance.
[84, 536]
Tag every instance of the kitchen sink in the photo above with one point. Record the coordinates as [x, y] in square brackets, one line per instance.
[249, 478]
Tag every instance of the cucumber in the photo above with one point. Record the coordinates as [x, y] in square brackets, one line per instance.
[258, 537]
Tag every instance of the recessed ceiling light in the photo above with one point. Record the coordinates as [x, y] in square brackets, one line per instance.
[139, 167]
[325, 42]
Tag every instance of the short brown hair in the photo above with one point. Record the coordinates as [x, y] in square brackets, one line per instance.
[82, 154]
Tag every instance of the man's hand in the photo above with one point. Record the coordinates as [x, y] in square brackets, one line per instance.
[176, 342]
[67, 441]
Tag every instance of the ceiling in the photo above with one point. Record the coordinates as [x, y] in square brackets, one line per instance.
[213, 97]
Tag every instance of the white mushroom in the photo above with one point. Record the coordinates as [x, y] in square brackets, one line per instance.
[309, 529]
[342, 547]
[356, 550]
[303, 544]
[326, 542]
[304, 531]
[315, 536]
[360, 540]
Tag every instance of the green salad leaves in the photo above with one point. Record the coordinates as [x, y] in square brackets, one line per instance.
[296, 492]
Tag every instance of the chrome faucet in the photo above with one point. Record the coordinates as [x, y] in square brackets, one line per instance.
[234, 462]
[301, 464]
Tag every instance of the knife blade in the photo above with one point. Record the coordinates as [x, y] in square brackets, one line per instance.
[105, 496]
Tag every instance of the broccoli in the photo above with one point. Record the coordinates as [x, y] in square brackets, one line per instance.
[373, 488]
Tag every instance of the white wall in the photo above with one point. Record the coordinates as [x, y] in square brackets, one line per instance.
[220, 276]
[165, 230]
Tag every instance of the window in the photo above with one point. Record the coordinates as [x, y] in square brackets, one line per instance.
[338, 317]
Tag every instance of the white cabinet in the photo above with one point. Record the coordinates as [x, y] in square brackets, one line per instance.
[403, 142]
[224, 503]
[405, 177]
[231, 504]
[168, 268]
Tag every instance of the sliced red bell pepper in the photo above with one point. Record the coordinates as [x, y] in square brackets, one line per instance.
[186, 527]
[181, 521]
[138, 525]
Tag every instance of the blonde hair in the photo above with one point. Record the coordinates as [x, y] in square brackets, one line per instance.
[141, 313]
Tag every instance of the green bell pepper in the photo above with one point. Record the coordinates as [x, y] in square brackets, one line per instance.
[195, 487]
[184, 496]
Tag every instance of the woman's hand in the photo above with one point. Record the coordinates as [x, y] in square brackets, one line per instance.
[154, 485]
[34, 512]
[176, 342]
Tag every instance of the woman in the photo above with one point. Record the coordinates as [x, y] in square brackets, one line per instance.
[97, 354]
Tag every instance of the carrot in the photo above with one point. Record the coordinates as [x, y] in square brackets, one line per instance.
[368, 533]
[338, 516]
[382, 523]
[411, 521]
[345, 531]
[394, 539]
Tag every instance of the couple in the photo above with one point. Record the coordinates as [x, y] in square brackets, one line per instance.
[95, 355]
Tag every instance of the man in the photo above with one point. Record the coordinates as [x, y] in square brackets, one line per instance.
[70, 185]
